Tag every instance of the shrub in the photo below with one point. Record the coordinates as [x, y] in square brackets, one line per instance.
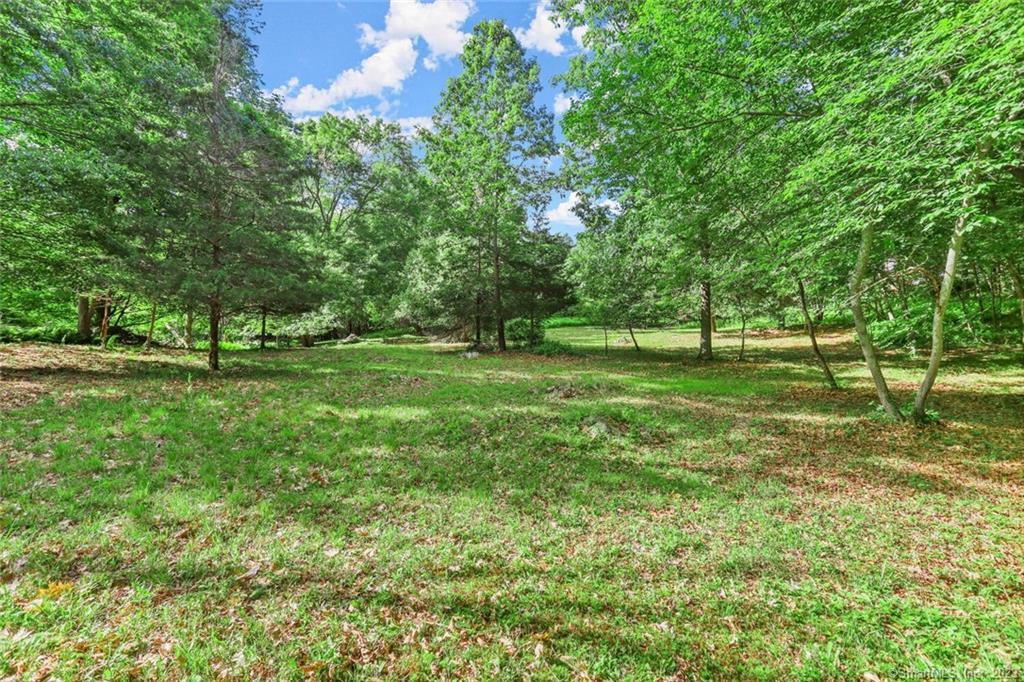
[521, 333]
[912, 330]
[552, 348]
[566, 321]
[52, 333]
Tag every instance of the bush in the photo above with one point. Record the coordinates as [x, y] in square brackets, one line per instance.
[566, 321]
[521, 333]
[51, 333]
[913, 330]
[552, 348]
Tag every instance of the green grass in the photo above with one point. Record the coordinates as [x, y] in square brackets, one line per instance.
[378, 511]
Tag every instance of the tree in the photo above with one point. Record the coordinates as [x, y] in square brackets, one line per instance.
[898, 122]
[618, 267]
[364, 189]
[232, 226]
[487, 154]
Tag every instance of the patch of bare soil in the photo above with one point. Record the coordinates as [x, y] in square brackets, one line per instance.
[29, 371]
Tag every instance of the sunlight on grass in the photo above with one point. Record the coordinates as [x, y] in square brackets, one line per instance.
[613, 515]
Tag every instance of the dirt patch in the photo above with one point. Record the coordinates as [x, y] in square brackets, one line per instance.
[30, 371]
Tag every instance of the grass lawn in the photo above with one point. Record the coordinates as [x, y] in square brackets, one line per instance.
[378, 511]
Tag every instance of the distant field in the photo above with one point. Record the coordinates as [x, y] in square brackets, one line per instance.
[404, 512]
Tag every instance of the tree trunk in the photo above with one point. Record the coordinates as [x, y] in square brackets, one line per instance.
[105, 322]
[743, 335]
[606, 338]
[938, 317]
[967, 314]
[189, 318]
[867, 346]
[995, 294]
[263, 328]
[120, 313]
[978, 298]
[633, 336]
[499, 314]
[705, 352]
[84, 323]
[478, 317]
[809, 323]
[152, 323]
[213, 358]
[1018, 289]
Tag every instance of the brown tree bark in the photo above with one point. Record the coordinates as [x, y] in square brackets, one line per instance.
[84, 321]
[263, 327]
[1018, 289]
[152, 323]
[213, 357]
[189, 319]
[105, 322]
[633, 336]
[743, 335]
[499, 313]
[705, 352]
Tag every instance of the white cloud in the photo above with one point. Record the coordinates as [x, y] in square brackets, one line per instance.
[562, 215]
[385, 69]
[543, 33]
[410, 125]
[562, 103]
[287, 88]
[577, 36]
[438, 23]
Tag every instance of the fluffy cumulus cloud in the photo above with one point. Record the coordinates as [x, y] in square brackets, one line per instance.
[562, 103]
[287, 88]
[386, 69]
[561, 216]
[437, 23]
[543, 33]
[577, 36]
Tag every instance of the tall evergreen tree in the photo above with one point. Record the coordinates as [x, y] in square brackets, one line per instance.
[488, 154]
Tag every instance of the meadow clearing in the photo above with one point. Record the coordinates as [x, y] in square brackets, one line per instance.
[403, 511]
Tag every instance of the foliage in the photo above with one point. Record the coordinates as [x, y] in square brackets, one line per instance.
[912, 329]
[487, 158]
[525, 332]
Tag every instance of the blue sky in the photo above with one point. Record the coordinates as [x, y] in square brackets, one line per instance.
[392, 58]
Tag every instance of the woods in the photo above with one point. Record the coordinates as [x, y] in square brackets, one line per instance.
[727, 161]
[881, 141]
